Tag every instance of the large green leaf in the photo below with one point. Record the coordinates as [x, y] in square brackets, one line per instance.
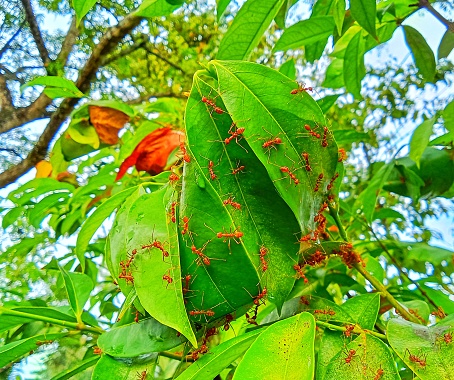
[423, 348]
[95, 220]
[306, 32]
[141, 338]
[364, 309]
[221, 6]
[247, 28]
[78, 287]
[251, 189]
[11, 352]
[354, 68]
[420, 139]
[365, 12]
[64, 85]
[362, 359]
[156, 8]
[448, 116]
[285, 350]
[108, 368]
[218, 358]
[446, 44]
[147, 223]
[245, 90]
[339, 14]
[422, 53]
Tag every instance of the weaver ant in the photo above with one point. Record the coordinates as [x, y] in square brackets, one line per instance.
[172, 212]
[213, 105]
[300, 273]
[262, 253]
[230, 202]
[350, 356]
[301, 88]
[142, 375]
[238, 169]
[318, 182]
[415, 359]
[186, 156]
[306, 159]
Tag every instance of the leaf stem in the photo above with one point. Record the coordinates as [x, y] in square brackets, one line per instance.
[73, 325]
[171, 355]
[333, 212]
[356, 330]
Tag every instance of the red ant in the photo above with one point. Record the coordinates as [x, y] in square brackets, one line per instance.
[318, 183]
[331, 183]
[379, 374]
[142, 376]
[252, 320]
[285, 169]
[306, 159]
[199, 252]
[208, 313]
[440, 313]
[172, 212]
[186, 280]
[348, 330]
[316, 258]
[136, 317]
[237, 170]
[97, 350]
[350, 356]
[173, 178]
[213, 175]
[186, 156]
[304, 301]
[127, 277]
[342, 155]
[272, 142]
[300, 273]
[157, 244]
[230, 202]
[413, 358]
[447, 337]
[234, 135]
[325, 137]
[167, 278]
[213, 105]
[325, 312]
[262, 253]
[185, 225]
[237, 234]
[301, 88]
[308, 128]
[260, 296]
[228, 319]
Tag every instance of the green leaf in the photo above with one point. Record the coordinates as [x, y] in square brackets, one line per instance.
[424, 252]
[282, 14]
[46, 206]
[325, 105]
[60, 83]
[83, 133]
[108, 368]
[365, 12]
[332, 343]
[141, 338]
[306, 32]
[422, 53]
[287, 121]
[220, 357]
[348, 136]
[448, 116]
[11, 352]
[78, 368]
[285, 350]
[247, 28]
[374, 267]
[78, 287]
[334, 77]
[446, 44]
[354, 68]
[339, 14]
[444, 140]
[221, 6]
[37, 187]
[152, 290]
[12, 216]
[368, 350]
[253, 190]
[364, 309]
[418, 308]
[156, 8]
[422, 342]
[314, 51]
[420, 140]
[82, 7]
[95, 220]
[288, 69]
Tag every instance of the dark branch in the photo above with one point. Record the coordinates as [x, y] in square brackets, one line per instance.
[123, 52]
[68, 43]
[147, 97]
[426, 4]
[36, 33]
[87, 74]
[156, 54]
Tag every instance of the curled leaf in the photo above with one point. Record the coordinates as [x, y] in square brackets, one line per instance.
[152, 152]
[107, 122]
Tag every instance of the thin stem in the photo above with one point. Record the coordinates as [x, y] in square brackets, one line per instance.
[171, 355]
[382, 289]
[335, 215]
[73, 325]
[343, 329]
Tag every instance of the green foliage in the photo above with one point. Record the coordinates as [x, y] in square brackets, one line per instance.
[272, 247]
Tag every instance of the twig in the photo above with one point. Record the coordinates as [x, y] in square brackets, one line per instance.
[123, 52]
[13, 37]
[73, 325]
[36, 33]
[356, 330]
[171, 355]
[156, 54]
[426, 4]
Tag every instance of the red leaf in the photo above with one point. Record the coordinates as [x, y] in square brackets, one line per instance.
[152, 153]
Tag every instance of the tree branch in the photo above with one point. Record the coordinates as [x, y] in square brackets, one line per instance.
[147, 97]
[13, 37]
[123, 52]
[426, 4]
[69, 42]
[36, 33]
[87, 74]
[156, 54]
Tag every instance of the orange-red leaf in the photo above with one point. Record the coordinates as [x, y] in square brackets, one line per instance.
[152, 153]
[107, 122]
[43, 169]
